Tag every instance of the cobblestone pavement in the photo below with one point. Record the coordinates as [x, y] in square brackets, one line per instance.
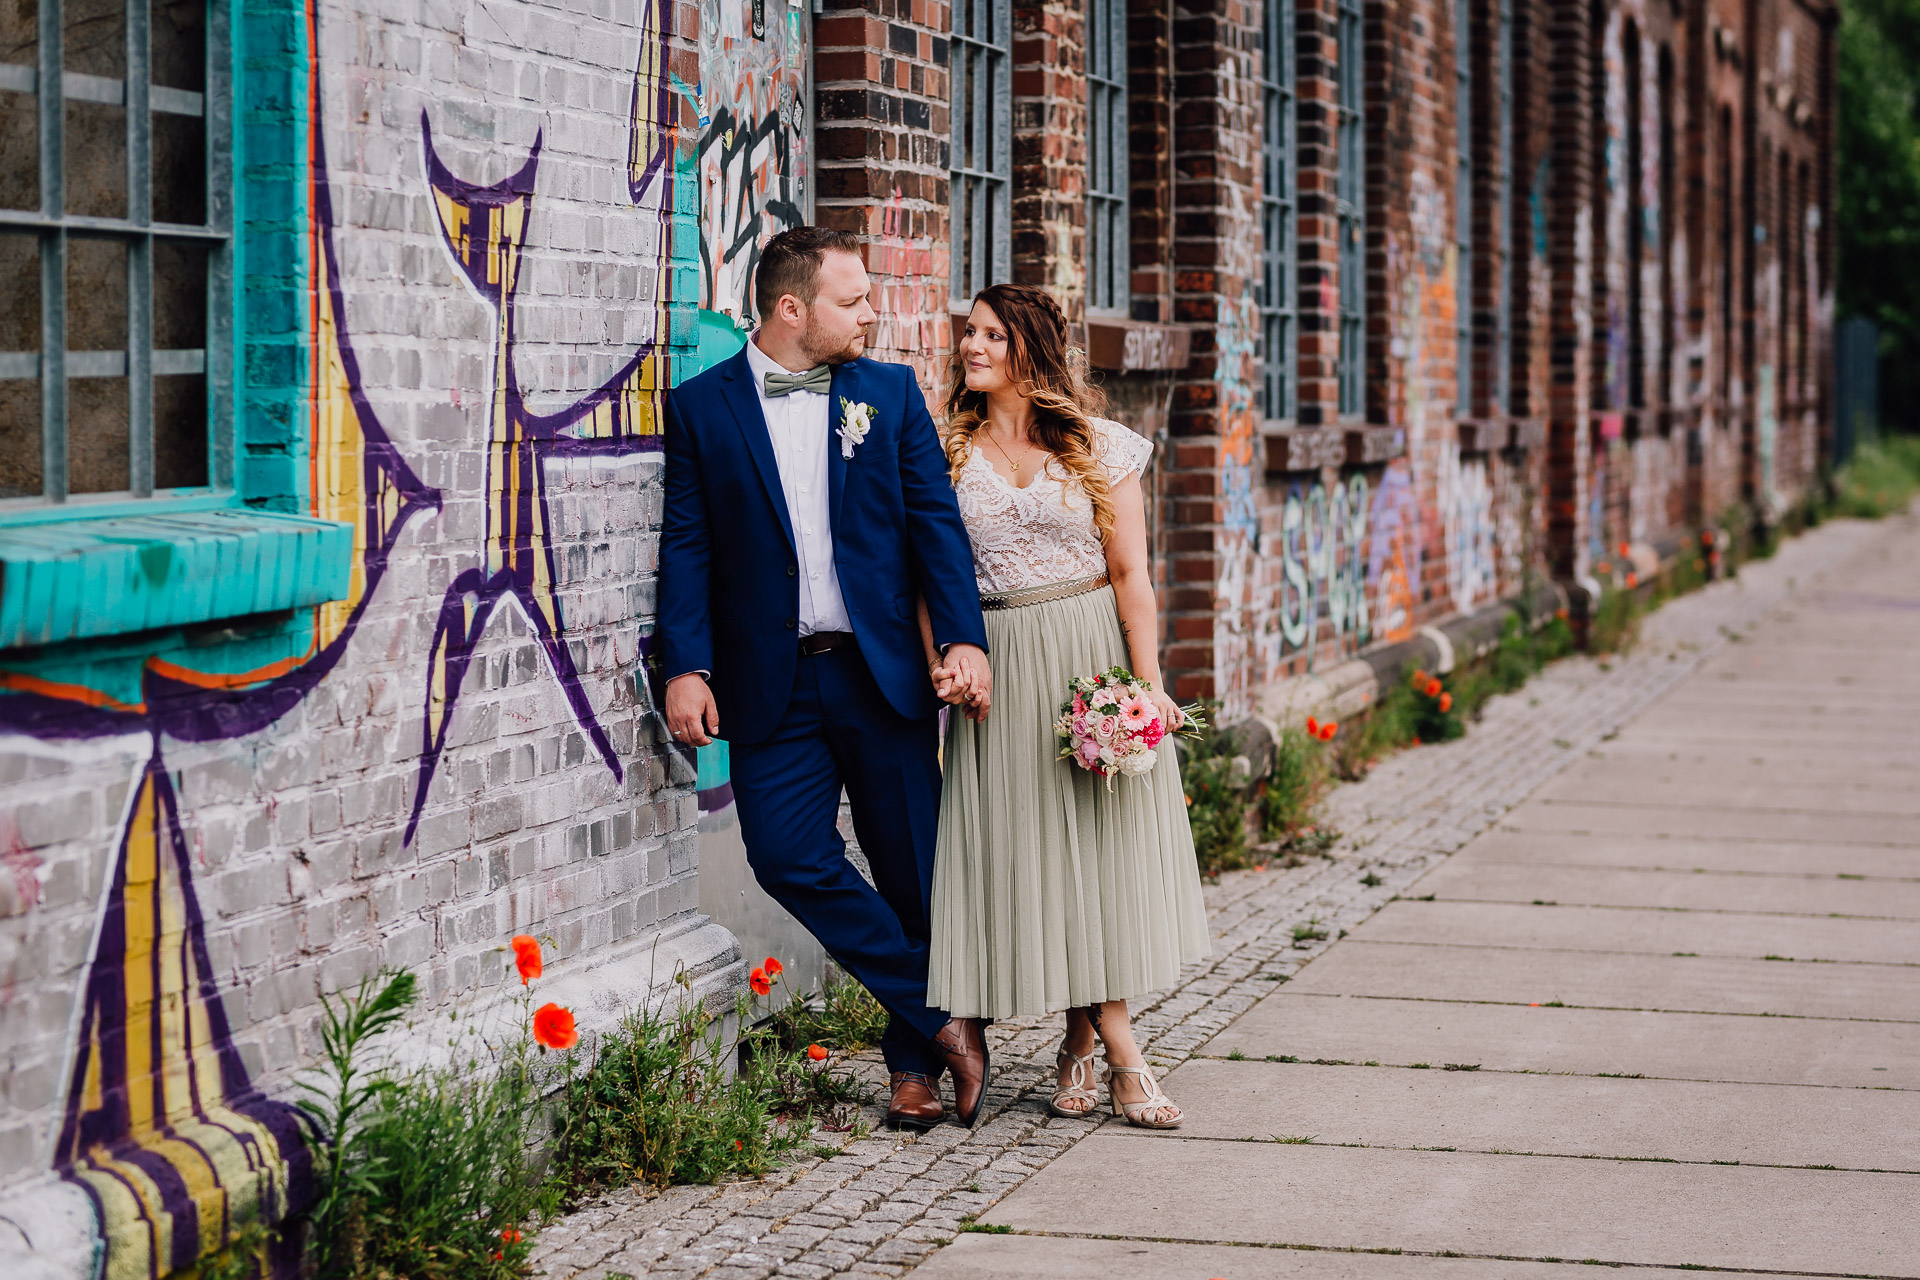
[887, 1201]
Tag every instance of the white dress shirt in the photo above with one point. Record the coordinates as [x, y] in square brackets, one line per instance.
[798, 423]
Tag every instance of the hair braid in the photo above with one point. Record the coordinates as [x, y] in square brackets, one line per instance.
[1051, 374]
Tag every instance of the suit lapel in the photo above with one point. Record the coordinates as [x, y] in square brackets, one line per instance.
[736, 382]
[846, 383]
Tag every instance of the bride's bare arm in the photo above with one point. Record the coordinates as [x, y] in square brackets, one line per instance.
[1128, 567]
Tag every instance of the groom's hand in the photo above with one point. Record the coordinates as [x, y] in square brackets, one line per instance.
[969, 665]
[692, 715]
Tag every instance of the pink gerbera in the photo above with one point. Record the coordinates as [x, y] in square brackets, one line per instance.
[1137, 713]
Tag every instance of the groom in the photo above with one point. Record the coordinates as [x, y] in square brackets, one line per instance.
[808, 508]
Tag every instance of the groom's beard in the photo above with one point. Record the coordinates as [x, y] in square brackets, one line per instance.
[818, 347]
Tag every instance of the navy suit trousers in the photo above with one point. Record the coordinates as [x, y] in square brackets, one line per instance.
[839, 729]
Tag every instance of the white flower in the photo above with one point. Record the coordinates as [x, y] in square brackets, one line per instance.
[856, 419]
[1140, 762]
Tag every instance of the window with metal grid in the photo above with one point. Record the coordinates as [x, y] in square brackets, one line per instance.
[1463, 206]
[1500, 364]
[1276, 292]
[1349, 205]
[1109, 255]
[114, 235]
[981, 236]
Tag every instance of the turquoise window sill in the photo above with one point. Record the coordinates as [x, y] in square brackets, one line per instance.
[110, 575]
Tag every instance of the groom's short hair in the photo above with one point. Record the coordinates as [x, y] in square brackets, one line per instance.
[790, 263]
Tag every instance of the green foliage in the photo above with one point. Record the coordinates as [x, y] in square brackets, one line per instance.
[846, 1017]
[1615, 625]
[1216, 807]
[1387, 725]
[1294, 785]
[426, 1175]
[1880, 479]
[1436, 712]
[1877, 178]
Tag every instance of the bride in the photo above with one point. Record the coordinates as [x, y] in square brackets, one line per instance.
[1051, 891]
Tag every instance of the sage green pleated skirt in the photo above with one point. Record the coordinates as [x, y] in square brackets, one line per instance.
[1049, 891]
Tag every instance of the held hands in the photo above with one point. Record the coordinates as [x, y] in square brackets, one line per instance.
[692, 715]
[963, 679]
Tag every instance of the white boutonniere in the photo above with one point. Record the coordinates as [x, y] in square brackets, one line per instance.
[856, 419]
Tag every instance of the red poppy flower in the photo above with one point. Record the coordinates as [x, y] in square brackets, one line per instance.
[1328, 729]
[773, 967]
[1433, 688]
[1624, 551]
[1605, 566]
[510, 1236]
[1419, 677]
[1416, 739]
[736, 1144]
[1706, 537]
[1313, 727]
[815, 1052]
[526, 957]
[1633, 580]
[1446, 702]
[553, 1027]
[758, 981]
[499, 1256]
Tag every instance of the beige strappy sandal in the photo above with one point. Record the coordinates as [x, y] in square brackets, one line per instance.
[1078, 1088]
[1147, 1113]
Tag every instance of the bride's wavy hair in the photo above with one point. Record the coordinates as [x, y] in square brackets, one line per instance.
[1052, 375]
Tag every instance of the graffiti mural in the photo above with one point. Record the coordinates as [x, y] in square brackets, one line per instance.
[1323, 568]
[1467, 524]
[1394, 554]
[753, 156]
[1240, 617]
[164, 1131]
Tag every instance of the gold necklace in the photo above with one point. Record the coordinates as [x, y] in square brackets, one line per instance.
[1024, 455]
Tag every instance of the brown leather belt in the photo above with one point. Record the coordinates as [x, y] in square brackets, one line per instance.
[825, 641]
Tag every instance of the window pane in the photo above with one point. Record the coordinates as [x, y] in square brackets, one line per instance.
[179, 362]
[177, 39]
[96, 160]
[96, 365]
[19, 387]
[179, 169]
[19, 121]
[95, 33]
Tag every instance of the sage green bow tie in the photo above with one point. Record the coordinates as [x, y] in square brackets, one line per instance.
[818, 380]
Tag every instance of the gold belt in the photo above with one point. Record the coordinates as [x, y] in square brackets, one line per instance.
[1042, 595]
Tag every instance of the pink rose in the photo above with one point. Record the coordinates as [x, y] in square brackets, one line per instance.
[1089, 752]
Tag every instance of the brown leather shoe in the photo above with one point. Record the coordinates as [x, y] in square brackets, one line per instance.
[964, 1043]
[916, 1102]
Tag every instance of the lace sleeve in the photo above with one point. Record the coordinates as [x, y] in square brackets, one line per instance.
[1123, 452]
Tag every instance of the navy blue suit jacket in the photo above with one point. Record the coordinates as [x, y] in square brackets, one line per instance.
[729, 583]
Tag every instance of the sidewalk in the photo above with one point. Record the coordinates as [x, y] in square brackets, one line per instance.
[1740, 787]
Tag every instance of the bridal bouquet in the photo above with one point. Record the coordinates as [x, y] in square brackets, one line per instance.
[1109, 725]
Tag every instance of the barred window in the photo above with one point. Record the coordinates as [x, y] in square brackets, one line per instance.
[1109, 254]
[113, 248]
[1463, 206]
[1500, 366]
[1349, 203]
[982, 237]
[1276, 292]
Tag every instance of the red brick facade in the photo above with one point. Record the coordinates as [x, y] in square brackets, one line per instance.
[1639, 295]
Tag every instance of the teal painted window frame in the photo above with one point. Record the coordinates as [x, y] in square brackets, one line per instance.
[248, 519]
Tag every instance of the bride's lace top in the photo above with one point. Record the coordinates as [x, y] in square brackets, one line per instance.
[1042, 534]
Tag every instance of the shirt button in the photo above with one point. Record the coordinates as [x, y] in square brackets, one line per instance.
[791, 624]
[792, 570]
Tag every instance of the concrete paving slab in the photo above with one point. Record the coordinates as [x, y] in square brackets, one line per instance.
[1761, 857]
[1532, 1207]
[978, 1256]
[1706, 984]
[1680, 1046]
[1685, 1120]
[1863, 774]
[1485, 881]
[1724, 787]
[1626, 930]
[1678, 821]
